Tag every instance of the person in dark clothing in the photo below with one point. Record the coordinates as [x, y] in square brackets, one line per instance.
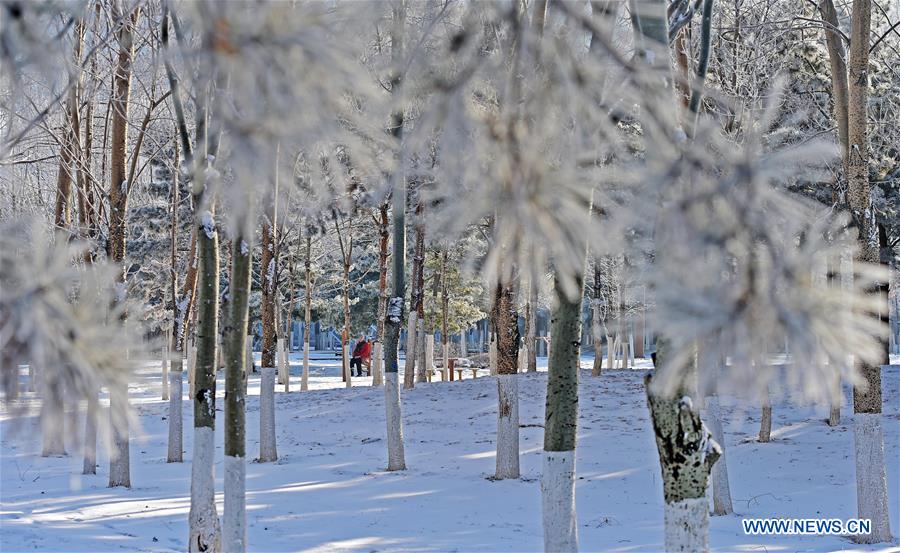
[361, 354]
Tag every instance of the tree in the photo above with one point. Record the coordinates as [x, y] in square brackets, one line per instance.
[871, 480]
[119, 467]
[394, 312]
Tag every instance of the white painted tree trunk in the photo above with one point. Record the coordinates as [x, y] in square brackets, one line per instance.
[409, 369]
[396, 456]
[463, 344]
[234, 517]
[120, 457]
[765, 421]
[837, 397]
[558, 502]
[52, 417]
[191, 362]
[165, 371]
[286, 366]
[871, 480]
[687, 525]
[492, 357]
[522, 361]
[267, 449]
[203, 518]
[429, 355]
[31, 378]
[346, 363]
[176, 422]
[446, 361]
[507, 426]
[304, 380]
[90, 434]
[377, 369]
[719, 473]
[610, 352]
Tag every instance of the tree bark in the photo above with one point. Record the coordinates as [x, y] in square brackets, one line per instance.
[268, 276]
[507, 320]
[384, 225]
[307, 314]
[871, 480]
[416, 301]
[69, 148]
[561, 423]
[721, 489]
[394, 313]
[203, 518]
[234, 527]
[119, 469]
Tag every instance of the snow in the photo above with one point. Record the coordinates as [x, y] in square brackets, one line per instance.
[329, 490]
[208, 222]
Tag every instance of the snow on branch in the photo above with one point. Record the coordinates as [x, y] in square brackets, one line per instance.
[60, 317]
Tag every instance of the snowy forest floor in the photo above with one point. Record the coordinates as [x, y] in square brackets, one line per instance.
[329, 491]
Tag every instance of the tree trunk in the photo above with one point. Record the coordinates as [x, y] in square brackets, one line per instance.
[52, 414]
[119, 469]
[416, 300]
[409, 369]
[765, 421]
[268, 274]
[203, 518]
[421, 352]
[721, 489]
[394, 312]
[234, 520]
[267, 448]
[165, 367]
[71, 141]
[871, 480]
[507, 347]
[176, 423]
[383, 238]
[597, 322]
[531, 327]
[307, 315]
[90, 434]
[560, 425]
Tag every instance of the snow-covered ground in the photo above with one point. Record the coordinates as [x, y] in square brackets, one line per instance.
[329, 490]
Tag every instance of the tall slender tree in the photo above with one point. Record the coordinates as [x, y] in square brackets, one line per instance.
[119, 467]
[394, 313]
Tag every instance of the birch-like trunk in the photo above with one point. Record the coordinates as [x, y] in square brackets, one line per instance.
[91, 419]
[687, 453]
[234, 520]
[560, 425]
[203, 519]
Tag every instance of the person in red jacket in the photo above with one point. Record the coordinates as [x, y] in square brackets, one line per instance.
[361, 354]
